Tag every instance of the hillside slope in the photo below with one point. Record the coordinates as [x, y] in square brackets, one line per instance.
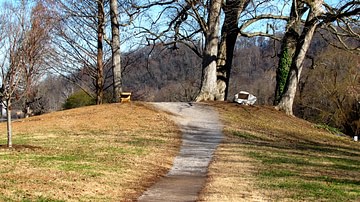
[270, 156]
[114, 152]
[98, 153]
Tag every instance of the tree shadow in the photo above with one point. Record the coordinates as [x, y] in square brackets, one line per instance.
[19, 147]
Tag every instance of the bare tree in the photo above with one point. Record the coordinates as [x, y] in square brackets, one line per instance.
[189, 26]
[12, 71]
[316, 17]
[193, 21]
[304, 41]
[80, 49]
[298, 36]
[115, 48]
[35, 48]
[100, 41]
[91, 17]
[331, 93]
[208, 89]
[288, 46]
[229, 35]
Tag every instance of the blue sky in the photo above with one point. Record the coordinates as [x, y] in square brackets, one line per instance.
[328, 1]
[331, 2]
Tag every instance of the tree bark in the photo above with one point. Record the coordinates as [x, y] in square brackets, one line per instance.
[28, 95]
[208, 89]
[100, 64]
[229, 33]
[1, 108]
[303, 44]
[288, 47]
[8, 123]
[116, 53]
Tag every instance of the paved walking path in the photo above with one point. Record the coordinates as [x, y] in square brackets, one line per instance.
[201, 134]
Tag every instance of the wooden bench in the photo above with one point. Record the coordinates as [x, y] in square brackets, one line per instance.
[125, 97]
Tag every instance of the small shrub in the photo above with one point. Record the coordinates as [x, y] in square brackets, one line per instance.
[78, 99]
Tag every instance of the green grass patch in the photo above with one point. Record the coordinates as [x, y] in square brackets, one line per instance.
[140, 142]
[299, 187]
[346, 167]
[327, 179]
[300, 177]
[75, 167]
[277, 173]
[42, 199]
[311, 190]
[243, 135]
[329, 128]
[65, 157]
[278, 158]
[125, 151]
[303, 171]
[249, 136]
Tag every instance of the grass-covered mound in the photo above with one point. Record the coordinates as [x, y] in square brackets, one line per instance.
[273, 157]
[98, 153]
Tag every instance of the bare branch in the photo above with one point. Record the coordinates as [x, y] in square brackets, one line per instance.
[259, 18]
[152, 4]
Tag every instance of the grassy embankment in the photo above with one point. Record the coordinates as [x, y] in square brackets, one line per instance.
[97, 153]
[113, 152]
[268, 156]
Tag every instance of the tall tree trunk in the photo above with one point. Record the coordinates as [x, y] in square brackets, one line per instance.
[28, 97]
[116, 53]
[229, 33]
[8, 122]
[100, 64]
[288, 47]
[1, 108]
[287, 100]
[208, 89]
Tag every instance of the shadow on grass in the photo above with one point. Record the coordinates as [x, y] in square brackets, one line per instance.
[20, 147]
[302, 169]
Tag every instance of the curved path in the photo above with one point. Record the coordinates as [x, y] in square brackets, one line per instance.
[201, 134]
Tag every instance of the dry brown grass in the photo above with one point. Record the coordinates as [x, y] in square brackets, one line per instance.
[268, 156]
[98, 153]
[113, 152]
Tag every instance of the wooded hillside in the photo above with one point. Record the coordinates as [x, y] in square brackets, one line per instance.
[300, 56]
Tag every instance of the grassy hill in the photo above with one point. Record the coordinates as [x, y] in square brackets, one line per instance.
[268, 156]
[97, 153]
[113, 152]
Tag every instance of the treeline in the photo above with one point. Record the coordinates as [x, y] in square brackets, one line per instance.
[209, 54]
[328, 92]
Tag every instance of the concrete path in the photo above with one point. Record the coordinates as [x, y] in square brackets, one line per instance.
[201, 134]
